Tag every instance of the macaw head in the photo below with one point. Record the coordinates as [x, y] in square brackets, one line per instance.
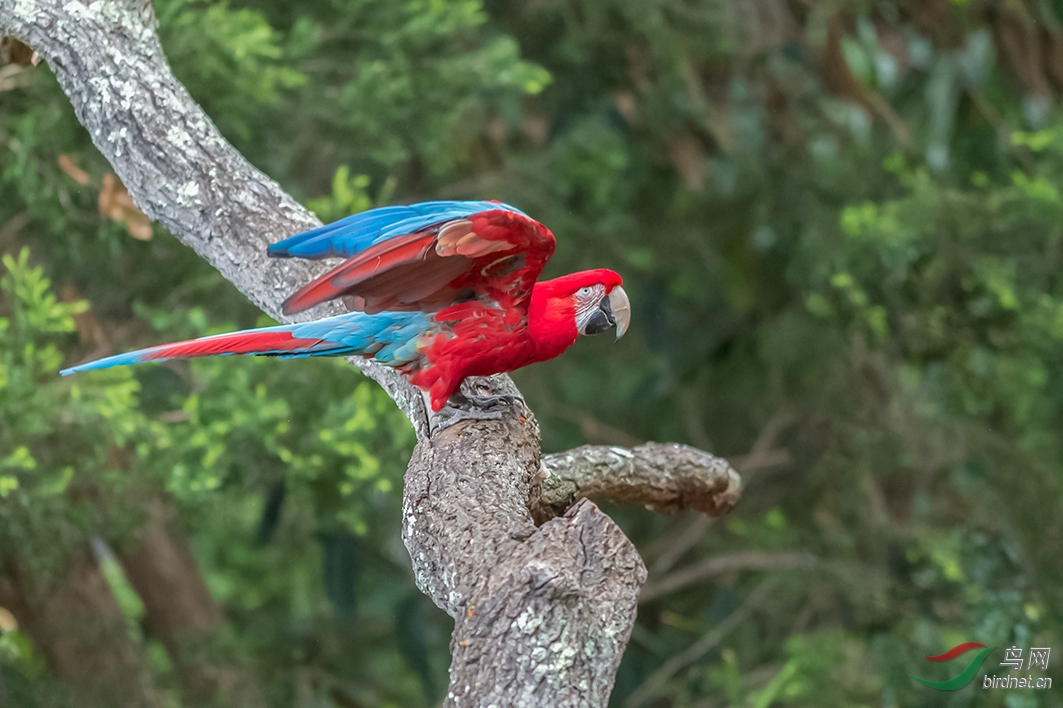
[602, 304]
[592, 301]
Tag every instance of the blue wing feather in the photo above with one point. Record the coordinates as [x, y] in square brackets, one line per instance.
[355, 233]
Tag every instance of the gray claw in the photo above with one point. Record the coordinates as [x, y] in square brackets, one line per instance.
[461, 407]
[487, 402]
[449, 415]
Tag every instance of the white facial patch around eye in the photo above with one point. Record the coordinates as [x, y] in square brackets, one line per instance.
[586, 301]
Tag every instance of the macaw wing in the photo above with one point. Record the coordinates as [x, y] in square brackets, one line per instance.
[449, 252]
[355, 233]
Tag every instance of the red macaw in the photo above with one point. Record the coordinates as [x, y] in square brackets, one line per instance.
[438, 290]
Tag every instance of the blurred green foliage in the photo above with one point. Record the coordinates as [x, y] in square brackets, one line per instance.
[839, 222]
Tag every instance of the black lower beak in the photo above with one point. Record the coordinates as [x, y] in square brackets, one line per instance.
[602, 320]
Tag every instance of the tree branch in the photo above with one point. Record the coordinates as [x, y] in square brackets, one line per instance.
[542, 614]
[714, 566]
[665, 477]
[704, 645]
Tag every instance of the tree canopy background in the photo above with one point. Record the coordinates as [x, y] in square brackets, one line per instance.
[841, 226]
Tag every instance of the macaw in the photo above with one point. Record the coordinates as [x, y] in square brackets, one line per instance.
[439, 290]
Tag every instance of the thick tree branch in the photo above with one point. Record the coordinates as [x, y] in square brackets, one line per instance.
[542, 614]
[546, 624]
[665, 477]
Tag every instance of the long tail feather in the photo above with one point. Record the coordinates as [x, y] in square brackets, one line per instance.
[275, 341]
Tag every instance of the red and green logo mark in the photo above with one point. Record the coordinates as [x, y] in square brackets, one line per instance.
[967, 674]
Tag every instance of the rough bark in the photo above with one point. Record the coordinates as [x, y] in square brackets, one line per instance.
[77, 625]
[542, 614]
[666, 477]
[180, 612]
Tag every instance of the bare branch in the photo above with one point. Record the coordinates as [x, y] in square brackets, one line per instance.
[665, 477]
[760, 456]
[703, 646]
[671, 547]
[714, 566]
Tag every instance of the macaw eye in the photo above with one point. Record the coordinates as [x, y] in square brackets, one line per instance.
[585, 291]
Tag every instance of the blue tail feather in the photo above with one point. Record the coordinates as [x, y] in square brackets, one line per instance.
[390, 338]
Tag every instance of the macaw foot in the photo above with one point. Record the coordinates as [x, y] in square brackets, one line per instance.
[461, 407]
[485, 402]
[448, 415]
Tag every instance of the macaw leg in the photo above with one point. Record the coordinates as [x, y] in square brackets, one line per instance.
[461, 407]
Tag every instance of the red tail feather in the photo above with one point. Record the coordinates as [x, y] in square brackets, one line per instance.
[236, 343]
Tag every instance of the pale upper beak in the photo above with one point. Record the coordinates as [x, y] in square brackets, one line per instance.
[621, 310]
